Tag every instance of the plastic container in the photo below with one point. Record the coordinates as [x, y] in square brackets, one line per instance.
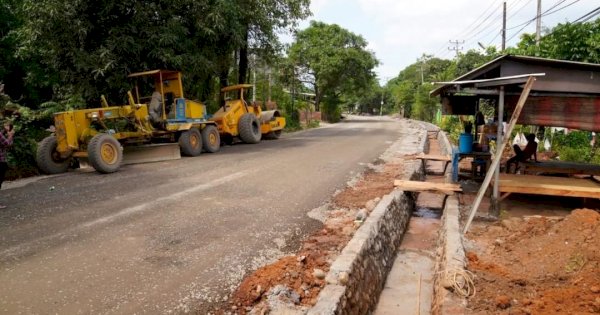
[465, 143]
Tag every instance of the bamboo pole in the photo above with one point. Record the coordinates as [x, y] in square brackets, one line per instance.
[499, 150]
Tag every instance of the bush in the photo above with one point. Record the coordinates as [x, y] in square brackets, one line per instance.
[452, 126]
[575, 147]
[30, 127]
[292, 123]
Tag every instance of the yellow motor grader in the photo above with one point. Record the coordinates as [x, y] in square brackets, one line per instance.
[157, 113]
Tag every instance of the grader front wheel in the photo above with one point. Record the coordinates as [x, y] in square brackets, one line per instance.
[105, 153]
[48, 159]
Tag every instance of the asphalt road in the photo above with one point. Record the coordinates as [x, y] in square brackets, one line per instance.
[175, 236]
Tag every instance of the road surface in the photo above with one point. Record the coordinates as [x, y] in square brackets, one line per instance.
[175, 236]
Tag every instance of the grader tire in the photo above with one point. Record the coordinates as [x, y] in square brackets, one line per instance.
[190, 142]
[249, 128]
[48, 159]
[211, 141]
[105, 153]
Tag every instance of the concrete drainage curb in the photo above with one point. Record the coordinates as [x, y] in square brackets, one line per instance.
[450, 259]
[450, 252]
[357, 277]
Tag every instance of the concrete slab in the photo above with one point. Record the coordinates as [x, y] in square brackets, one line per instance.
[412, 273]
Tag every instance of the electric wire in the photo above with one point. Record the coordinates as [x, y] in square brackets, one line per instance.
[469, 28]
[498, 33]
[586, 17]
[546, 13]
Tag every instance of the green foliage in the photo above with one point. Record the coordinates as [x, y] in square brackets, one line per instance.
[568, 41]
[333, 61]
[575, 147]
[410, 89]
[452, 126]
[313, 124]
[473, 59]
[28, 130]
[425, 107]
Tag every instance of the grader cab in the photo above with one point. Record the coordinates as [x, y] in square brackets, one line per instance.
[99, 134]
[246, 121]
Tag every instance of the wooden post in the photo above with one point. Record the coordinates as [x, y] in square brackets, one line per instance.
[499, 150]
[495, 209]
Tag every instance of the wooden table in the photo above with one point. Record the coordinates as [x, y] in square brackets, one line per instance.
[548, 185]
[486, 156]
[559, 167]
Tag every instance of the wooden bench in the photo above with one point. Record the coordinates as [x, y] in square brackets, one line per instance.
[548, 185]
[432, 157]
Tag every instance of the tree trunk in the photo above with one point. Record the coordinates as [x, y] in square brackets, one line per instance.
[243, 66]
[317, 99]
[223, 82]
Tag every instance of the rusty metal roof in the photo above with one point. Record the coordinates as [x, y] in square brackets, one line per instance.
[481, 71]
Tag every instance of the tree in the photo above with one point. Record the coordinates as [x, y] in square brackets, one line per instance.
[568, 41]
[334, 62]
[473, 59]
[261, 21]
[90, 46]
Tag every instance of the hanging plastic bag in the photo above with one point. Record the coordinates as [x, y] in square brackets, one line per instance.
[547, 145]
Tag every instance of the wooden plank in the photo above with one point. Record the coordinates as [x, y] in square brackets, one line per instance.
[549, 185]
[434, 157]
[499, 150]
[409, 185]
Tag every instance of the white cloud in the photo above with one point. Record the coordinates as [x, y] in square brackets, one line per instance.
[400, 31]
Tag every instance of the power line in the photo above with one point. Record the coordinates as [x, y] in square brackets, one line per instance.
[588, 15]
[519, 9]
[535, 17]
[493, 30]
[481, 23]
[469, 29]
[485, 28]
[546, 13]
[477, 19]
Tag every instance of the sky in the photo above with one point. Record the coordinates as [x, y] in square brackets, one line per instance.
[401, 31]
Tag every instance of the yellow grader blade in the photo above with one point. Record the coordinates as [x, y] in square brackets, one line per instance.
[151, 153]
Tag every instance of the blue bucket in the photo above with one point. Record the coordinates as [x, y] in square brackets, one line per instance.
[465, 143]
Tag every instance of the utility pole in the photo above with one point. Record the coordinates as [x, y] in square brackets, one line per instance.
[254, 78]
[538, 23]
[456, 47]
[503, 25]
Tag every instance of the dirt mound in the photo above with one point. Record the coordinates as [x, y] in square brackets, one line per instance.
[304, 272]
[372, 185]
[544, 266]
